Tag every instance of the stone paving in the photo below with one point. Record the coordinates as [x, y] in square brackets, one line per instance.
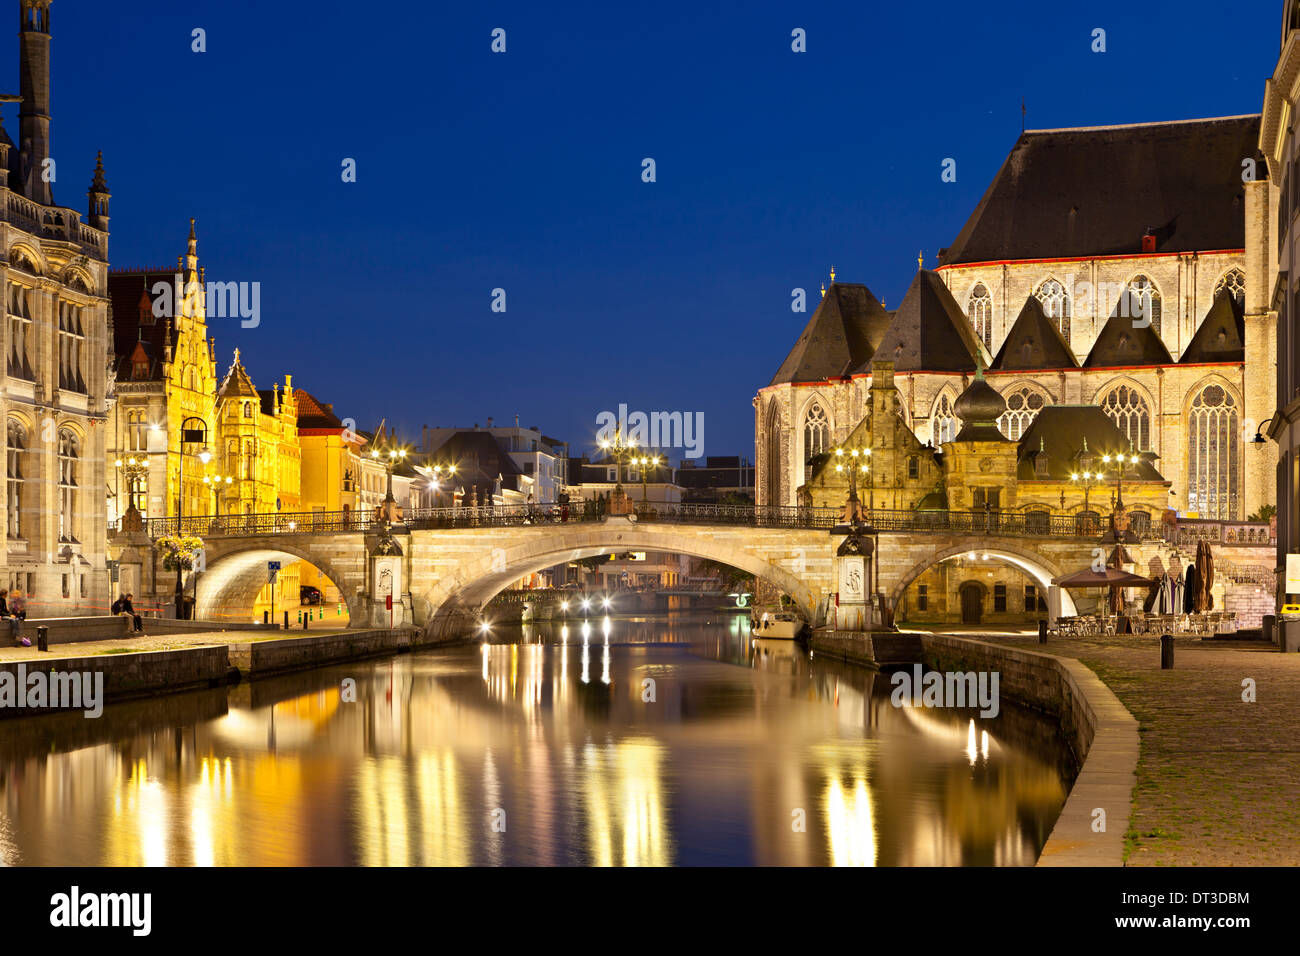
[1218, 780]
[153, 642]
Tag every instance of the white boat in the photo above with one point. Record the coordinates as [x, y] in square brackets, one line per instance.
[775, 625]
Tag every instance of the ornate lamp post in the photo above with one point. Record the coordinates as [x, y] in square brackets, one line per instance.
[439, 471]
[216, 483]
[1086, 478]
[1119, 523]
[619, 449]
[135, 471]
[854, 462]
[193, 436]
[390, 455]
[644, 462]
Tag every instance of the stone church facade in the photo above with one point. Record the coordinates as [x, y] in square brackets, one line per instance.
[1122, 267]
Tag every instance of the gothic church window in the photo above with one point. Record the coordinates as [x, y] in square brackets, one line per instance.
[1056, 305]
[1129, 411]
[1143, 301]
[980, 310]
[1234, 280]
[816, 431]
[943, 424]
[1023, 405]
[1213, 454]
[19, 326]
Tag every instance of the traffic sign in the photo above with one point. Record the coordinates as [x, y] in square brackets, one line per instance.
[273, 565]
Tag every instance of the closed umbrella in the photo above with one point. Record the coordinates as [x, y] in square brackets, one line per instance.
[1189, 590]
[1204, 577]
[1118, 557]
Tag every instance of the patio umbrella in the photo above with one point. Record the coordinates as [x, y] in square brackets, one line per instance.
[1204, 577]
[1118, 557]
[1107, 577]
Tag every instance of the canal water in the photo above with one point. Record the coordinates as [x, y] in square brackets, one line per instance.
[674, 739]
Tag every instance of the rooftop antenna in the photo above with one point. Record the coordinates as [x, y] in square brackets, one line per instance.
[1023, 111]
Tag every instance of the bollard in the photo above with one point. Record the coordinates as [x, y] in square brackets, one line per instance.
[340, 609]
[286, 620]
[266, 617]
[1042, 632]
[305, 621]
[42, 638]
[1166, 652]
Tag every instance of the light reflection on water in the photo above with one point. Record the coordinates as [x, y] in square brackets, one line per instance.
[624, 741]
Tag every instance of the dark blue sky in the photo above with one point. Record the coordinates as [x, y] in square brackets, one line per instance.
[523, 171]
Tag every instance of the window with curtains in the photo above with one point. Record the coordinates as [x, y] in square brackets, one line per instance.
[69, 460]
[1213, 454]
[14, 461]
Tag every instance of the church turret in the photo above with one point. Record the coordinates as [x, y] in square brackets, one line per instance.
[34, 87]
[99, 196]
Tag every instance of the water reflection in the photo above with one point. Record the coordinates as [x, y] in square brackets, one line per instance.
[623, 741]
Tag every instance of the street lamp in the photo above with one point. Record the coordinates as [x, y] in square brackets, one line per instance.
[390, 455]
[618, 449]
[435, 484]
[216, 483]
[1118, 522]
[194, 436]
[134, 470]
[644, 462]
[854, 462]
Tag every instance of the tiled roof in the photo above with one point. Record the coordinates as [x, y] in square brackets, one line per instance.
[840, 338]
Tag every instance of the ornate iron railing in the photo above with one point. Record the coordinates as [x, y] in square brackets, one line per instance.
[993, 523]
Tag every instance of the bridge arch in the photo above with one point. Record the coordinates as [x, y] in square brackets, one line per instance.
[235, 570]
[451, 601]
[1012, 552]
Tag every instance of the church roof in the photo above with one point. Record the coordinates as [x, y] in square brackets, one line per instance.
[136, 332]
[1097, 191]
[1122, 342]
[1034, 342]
[841, 336]
[1222, 335]
[1061, 431]
[930, 332]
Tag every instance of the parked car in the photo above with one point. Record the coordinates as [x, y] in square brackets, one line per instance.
[308, 594]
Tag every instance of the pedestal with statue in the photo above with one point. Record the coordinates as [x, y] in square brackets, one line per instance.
[853, 582]
[386, 579]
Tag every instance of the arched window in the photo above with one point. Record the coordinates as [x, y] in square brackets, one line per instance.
[1142, 301]
[1140, 522]
[980, 310]
[1213, 454]
[1023, 404]
[816, 431]
[248, 409]
[943, 424]
[17, 444]
[1129, 411]
[69, 458]
[1056, 304]
[773, 466]
[1234, 280]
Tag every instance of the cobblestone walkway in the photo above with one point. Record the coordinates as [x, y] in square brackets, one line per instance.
[1218, 778]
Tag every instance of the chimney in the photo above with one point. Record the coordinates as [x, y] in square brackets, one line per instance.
[1149, 241]
[489, 421]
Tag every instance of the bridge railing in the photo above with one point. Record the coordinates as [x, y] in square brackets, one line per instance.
[1004, 523]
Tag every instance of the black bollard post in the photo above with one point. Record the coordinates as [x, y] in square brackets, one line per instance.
[1042, 632]
[42, 638]
[286, 620]
[266, 617]
[305, 619]
[1166, 652]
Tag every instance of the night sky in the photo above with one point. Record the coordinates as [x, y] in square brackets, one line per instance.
[522, 171]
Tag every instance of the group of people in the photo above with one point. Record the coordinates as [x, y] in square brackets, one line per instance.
[13, 608]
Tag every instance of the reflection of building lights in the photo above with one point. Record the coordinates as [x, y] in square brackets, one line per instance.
[604, 662]
[971, 752]
[586, 631]
[984, 744]
[850, 825]
[604, 629]
[485, 660]
[564, 633]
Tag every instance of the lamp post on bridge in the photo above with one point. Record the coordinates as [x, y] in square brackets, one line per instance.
[855, 462]
[390, 455]
[619, 449]
[193, 436]
[135, 471]
[1119, 522]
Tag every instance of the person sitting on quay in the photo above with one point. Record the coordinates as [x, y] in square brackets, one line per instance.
[14, 615]
[123, 606]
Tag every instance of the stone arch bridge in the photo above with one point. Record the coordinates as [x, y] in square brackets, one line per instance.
[441, 567]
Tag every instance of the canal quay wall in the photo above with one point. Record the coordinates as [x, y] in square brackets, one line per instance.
[1100, 730]
[129, 673]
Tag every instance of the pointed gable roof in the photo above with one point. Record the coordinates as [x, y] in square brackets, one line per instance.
[1034, 342]
[930, 333]
[840, 337]
[237, 384]
[1121, 342]
[1222, 335]
[1060, 432]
